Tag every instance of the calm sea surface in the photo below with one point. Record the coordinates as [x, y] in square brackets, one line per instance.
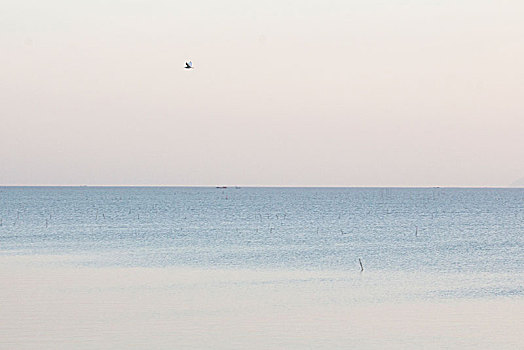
[291, 252]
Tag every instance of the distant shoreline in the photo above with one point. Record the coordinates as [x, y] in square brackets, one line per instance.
[263, 186]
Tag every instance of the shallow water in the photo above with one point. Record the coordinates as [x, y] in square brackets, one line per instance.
[261, 268]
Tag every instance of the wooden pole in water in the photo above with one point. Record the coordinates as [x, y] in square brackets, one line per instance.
[361, 267]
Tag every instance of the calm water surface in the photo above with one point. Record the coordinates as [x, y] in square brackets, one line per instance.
[205, 260]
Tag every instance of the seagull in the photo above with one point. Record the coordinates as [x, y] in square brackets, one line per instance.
[189, 65]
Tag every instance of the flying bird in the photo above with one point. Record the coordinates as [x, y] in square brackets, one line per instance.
[189, 65]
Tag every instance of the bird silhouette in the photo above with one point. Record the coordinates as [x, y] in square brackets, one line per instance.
[189, 65]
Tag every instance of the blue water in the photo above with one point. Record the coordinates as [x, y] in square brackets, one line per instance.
[441, 230]
[261, 268]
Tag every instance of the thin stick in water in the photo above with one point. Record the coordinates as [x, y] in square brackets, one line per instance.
[361, 267]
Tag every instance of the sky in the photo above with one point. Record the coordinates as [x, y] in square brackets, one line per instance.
[283, 93]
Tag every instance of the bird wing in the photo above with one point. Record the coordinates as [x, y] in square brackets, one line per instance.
[190, 64]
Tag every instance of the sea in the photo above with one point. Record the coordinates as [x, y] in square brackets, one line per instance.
[261, 268]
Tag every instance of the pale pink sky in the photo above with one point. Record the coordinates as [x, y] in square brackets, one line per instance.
[291, 93]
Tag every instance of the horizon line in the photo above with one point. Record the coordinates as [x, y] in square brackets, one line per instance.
[258, 186]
